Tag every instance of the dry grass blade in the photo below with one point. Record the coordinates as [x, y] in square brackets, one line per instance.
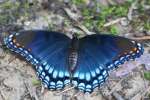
[2, 95]
[114, 88]
[68, 89]
[114, 22]
[141, 38]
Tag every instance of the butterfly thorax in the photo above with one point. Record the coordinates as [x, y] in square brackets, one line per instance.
[73, 55]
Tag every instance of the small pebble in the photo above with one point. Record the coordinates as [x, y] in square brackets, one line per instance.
[27, 23]
[124, 22]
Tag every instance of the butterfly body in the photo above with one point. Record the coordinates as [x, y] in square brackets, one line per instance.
[73, 55]
[84, 63]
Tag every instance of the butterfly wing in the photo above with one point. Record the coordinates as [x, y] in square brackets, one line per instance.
[97, 55]
[47, 51]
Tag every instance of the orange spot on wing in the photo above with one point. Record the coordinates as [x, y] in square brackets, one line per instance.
[134, 49]
[14, 40]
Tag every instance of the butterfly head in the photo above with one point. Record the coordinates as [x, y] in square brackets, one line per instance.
[75, 36]
[75, 41]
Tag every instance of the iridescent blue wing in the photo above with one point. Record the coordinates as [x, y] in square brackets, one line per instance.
[97, 55]
[47, 51]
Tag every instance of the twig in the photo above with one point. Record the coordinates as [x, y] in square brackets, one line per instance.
[113, 89]
[141, 38]
[2, 96]
[114, 21]
[65, 90]
[84, 29]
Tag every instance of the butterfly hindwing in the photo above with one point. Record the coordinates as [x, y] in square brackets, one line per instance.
[89, 73]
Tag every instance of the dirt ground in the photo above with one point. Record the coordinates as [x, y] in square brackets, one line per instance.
[18, 80]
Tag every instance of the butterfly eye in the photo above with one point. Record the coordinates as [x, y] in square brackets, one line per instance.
[14, 41]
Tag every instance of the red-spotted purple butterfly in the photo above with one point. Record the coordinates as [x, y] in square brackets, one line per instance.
[81, 62]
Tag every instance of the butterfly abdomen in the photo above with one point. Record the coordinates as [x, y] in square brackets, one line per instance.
[73, 55]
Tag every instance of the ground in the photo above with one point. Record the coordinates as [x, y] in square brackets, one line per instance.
[127, 18]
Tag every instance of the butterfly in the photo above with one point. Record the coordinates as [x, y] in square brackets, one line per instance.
[84, 63]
